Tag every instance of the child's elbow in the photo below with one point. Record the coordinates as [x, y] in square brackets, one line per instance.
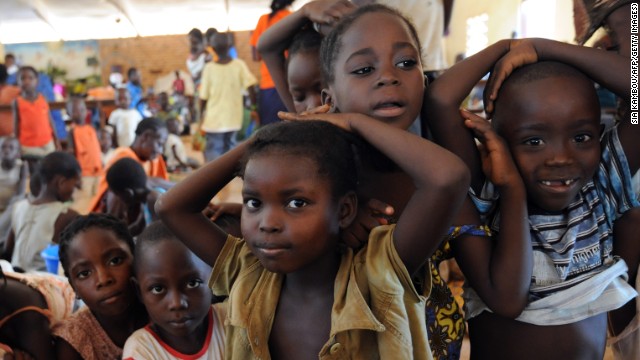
[511, 310]
[160, 208]
[456, 178]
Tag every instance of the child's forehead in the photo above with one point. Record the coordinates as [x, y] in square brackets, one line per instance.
[366, 27]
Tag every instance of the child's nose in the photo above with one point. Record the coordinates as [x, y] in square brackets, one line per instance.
[104, 277]
[178, 301]
[269, 222]
[561, 156]
[388, 77]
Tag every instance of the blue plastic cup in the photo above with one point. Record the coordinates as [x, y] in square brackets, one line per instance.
[51, 259]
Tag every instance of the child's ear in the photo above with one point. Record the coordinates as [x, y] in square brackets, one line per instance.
[128, 194]
[348, 209]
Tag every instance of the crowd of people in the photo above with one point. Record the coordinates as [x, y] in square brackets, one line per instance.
[363, 178]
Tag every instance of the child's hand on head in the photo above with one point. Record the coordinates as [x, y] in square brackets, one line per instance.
[521, 52]
[326, 13]
[497, 163]
[373, 213]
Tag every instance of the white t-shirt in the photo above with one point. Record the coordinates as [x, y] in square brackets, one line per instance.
[172, 161]
[125, 122]
[146, 344]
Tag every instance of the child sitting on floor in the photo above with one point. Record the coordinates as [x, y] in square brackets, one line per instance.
[569, 188]
[36, 223]
[96, 253]
[174, 150]
[289, 270]
[171, 283]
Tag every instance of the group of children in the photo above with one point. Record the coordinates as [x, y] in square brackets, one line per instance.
[344, 209]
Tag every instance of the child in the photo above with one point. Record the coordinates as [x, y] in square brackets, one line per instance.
[34, 125]
[146, 149]
[123, 119]
[13, 180]
[565, 275]
[84, 144]
[171, 282]
[297, 74]
[298, 196]
[174, 150]
[221, 95]
[129, 197]
[96, 253]
[36, 224]
[135, 91]
[105, 136]
[29, 305]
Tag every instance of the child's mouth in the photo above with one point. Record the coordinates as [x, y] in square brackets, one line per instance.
[388, 109]
[559, 185]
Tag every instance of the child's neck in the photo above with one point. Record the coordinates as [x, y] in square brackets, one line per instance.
[119, 327]
[46, 196]
[189, 344]
[316, 277]
[29, 95]
[224, 59]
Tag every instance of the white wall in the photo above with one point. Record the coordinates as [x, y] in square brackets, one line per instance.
[503, 20]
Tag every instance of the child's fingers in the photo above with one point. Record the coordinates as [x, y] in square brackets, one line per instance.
[322, 109]
[379, 207]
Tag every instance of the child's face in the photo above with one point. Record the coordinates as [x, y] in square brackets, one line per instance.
[290, 218]
[172, 284]
[123, 99]
[28, 80]
[78, 111]
[378, 71]
[105, 140]
[10, 149]
[305, 80]
[67, 186]
[100, 271]
[153, 143]
[173, 127]
[552, 127]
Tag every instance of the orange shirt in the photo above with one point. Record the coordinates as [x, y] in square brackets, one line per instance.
[35, 127]
[153, 168]
[263, 24]
[8, 93]
[87, 149]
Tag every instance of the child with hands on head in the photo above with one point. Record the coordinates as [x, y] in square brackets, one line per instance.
[96, 253]
[572, 187]
[171, 281]
[289, 270]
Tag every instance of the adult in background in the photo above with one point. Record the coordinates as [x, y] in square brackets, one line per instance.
[269, 102]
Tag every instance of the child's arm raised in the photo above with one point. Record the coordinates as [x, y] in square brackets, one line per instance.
[275, 40]
[497, 268]
[607, 68]
[181, 207]
[442, 101]
[440, 178]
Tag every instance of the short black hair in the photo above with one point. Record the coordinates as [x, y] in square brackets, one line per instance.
[332, 43]
[29, 68]
[154, 233]
[277, 5]
[131, 71]
[539, 71]
[209, 33]
[126, 173]
[150, 123]
[304, 41]
[85, 222]
[327, 145]
[58, 163]
[195, 32]
[35, 182]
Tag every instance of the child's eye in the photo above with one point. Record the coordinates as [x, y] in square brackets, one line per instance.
[582, 138]
[252, 203]
[83, 274]
[363, 70]
[297, 203]
[192, 284]
[116, 260]
[408, 64]
[156, 289]
[534, 142]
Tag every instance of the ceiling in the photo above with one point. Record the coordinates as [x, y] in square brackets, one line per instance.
[23, 21]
